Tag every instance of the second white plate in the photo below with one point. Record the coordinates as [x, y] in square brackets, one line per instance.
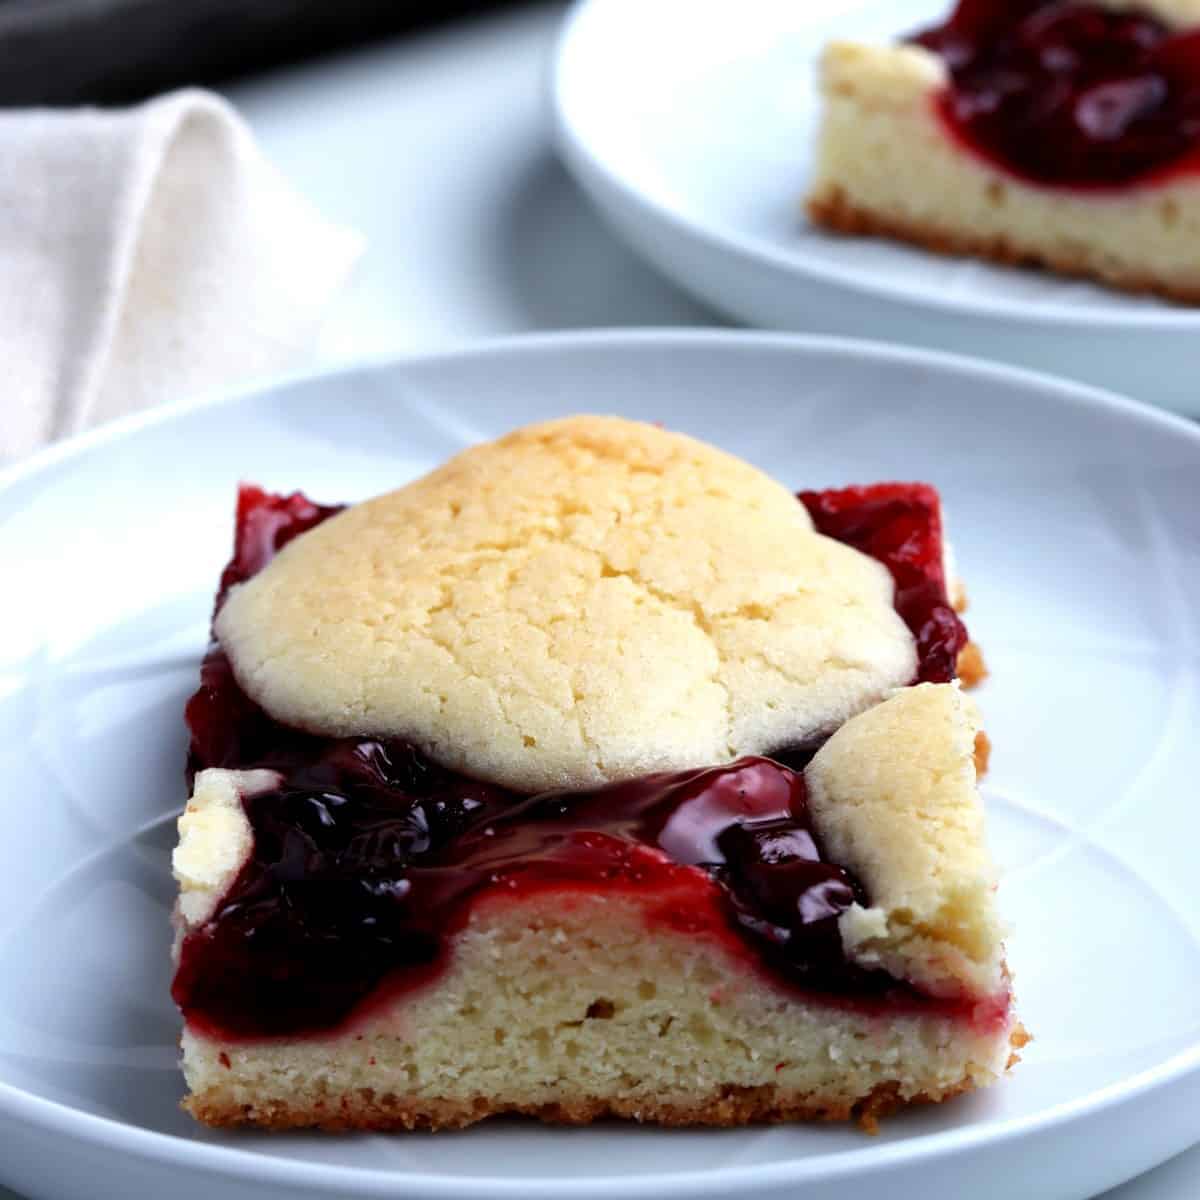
[692, 126]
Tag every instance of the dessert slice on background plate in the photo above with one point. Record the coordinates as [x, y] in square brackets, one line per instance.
[590, 775]
[1046, 132]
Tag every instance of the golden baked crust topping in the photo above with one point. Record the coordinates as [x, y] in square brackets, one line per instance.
[586, 600]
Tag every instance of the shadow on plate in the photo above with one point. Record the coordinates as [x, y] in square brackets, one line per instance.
[567, 271]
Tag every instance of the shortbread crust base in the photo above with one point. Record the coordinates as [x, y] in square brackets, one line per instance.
[572, 1010]
[833, 209]
[389, 1113]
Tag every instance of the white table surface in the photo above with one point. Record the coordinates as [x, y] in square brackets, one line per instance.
[437, 148]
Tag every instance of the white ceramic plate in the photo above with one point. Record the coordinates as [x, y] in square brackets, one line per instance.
[692, 126]
[1081, 546]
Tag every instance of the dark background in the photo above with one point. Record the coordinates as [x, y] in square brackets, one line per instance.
[111, 51]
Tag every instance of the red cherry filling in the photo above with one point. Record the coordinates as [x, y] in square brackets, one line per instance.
[368, 860]
[368, 857]
[265, 524]
[900, 524]
[1072, 94]
[227, 727]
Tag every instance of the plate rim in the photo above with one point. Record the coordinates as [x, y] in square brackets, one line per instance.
[19, 1106]
[582, 157]
[614, 337]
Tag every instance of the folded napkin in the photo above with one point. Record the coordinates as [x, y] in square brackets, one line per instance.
[147, 254]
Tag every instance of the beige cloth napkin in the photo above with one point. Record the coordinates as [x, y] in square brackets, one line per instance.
[148, 254]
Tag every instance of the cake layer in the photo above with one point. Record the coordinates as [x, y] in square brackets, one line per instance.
[577, 1010]
[888, 165]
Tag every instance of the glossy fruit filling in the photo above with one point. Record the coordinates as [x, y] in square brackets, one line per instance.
[368, 857]
[900, 524]
[1071, 94]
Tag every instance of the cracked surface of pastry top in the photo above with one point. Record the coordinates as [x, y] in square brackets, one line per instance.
[585, 600]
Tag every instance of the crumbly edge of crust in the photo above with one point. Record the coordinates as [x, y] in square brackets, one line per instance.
[734, 1107]
[729, 1108]
[833, 209]
[972, 669]
[983, 754]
